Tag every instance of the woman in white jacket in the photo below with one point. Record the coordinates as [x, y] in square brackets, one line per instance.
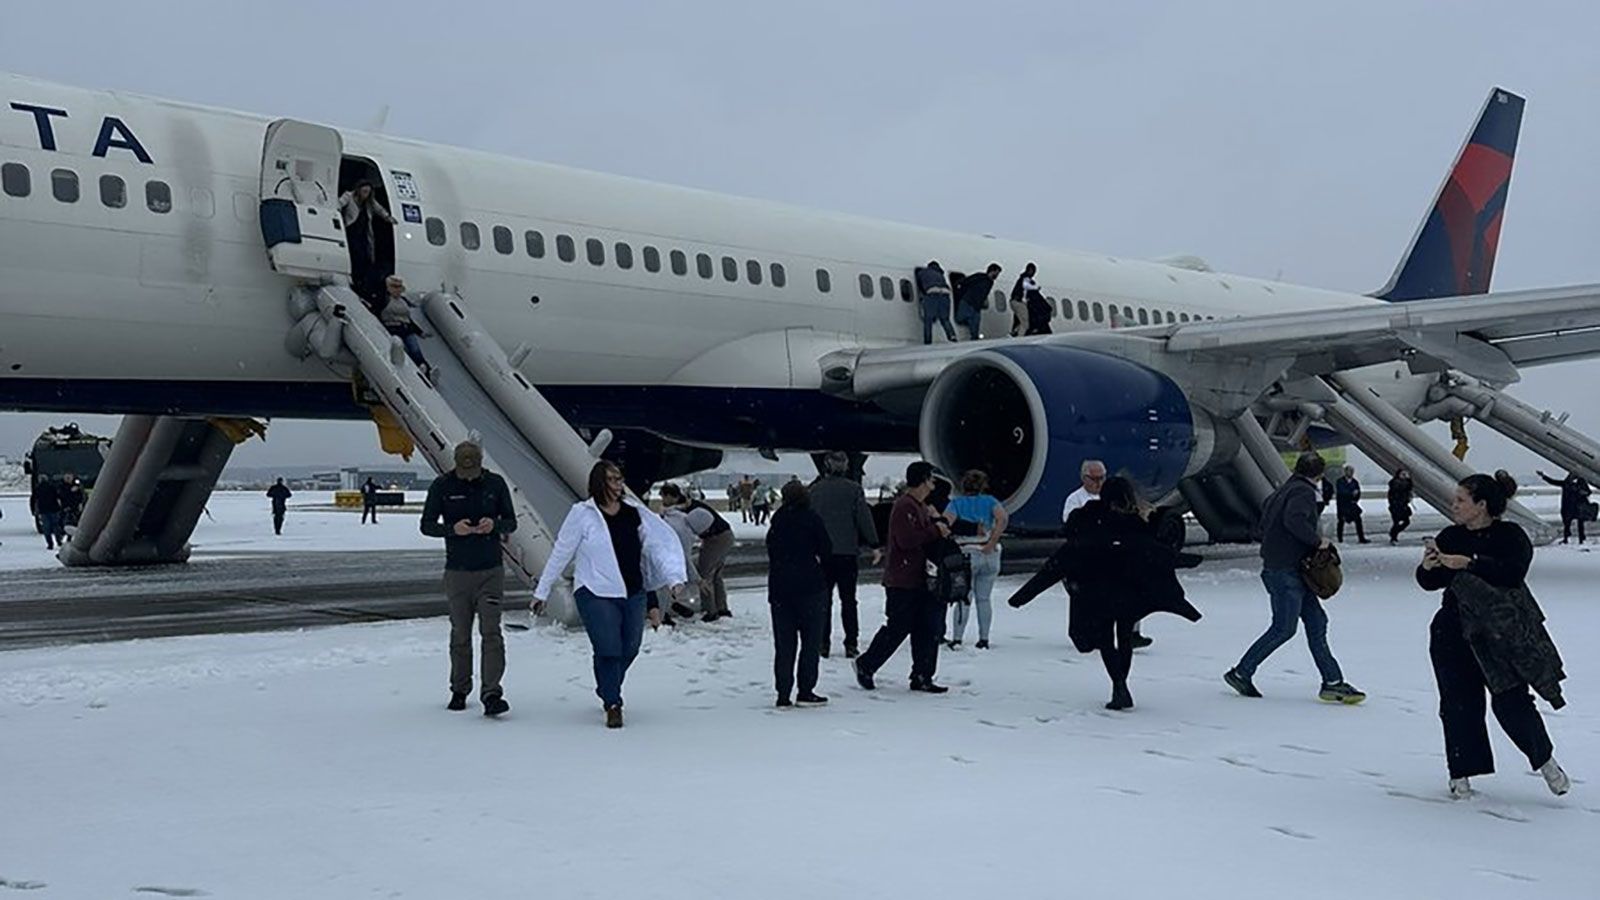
[621, 553]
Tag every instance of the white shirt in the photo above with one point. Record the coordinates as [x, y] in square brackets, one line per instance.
[585, 542]
[1075, 500]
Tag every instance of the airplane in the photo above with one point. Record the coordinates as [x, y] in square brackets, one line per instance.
[145, 261]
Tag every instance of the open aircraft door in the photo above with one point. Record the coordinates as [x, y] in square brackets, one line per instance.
[300, 219]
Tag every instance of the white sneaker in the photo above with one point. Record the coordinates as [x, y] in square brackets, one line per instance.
[1555, 777]
[1460, 789]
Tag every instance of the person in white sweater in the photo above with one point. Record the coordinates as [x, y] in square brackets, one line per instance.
[621, 553]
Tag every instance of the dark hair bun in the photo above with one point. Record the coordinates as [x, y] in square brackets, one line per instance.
[1506, 482]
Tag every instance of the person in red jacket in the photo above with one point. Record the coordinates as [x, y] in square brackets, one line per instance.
[913, 610]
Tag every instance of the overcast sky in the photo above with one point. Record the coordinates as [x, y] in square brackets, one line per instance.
[1292, 141]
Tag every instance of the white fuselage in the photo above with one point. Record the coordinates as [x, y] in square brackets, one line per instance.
[92, 294]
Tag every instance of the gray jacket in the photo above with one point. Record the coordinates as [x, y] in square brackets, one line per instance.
[842, 504]
[1289, 525]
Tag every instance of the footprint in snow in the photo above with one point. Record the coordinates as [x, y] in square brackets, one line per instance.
[1165, 755]
[1299, 749]
[1121, 790]
[963, 760]
[20, 885]
[1290, 832]
[1514, 876]
[997, 725]
[1505, 814]
[171, 891]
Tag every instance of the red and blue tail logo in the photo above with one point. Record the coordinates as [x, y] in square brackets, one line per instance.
[1453, 252]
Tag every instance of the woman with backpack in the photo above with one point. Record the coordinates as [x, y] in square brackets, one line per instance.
[1116, 572]
[1471, 561]
[976, 505]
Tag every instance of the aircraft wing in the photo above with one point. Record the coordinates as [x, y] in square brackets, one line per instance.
[1487, 336]
[1229, 362]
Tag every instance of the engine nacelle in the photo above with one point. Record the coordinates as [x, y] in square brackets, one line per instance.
[1030, 415]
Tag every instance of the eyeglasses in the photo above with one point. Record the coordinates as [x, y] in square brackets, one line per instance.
[1094, 478]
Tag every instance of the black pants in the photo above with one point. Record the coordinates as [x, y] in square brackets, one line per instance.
[1361, 533]
[1566, 528]
[1118, 657]
[797, 629]
[913, 613]
[277, 521]
[1400, 520]
[842, 571]
[1461, 705]
[369, 509]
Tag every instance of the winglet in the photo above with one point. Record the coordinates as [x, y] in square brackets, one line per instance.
[1452, 253]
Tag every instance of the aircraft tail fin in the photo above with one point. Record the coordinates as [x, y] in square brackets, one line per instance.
[1452, 253]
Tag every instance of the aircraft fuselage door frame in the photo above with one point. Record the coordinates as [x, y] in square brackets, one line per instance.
[300, 220]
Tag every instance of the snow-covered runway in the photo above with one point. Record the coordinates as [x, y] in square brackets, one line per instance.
[322, 764]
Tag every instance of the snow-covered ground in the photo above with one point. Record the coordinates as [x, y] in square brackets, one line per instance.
[321, 764]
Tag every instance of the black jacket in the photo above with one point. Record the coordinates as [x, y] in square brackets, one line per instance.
[452, 499]
[1400, 492]
[1114, 570]
[797, 543]
[46, 498]
[975, 290]
[1505, 628]
[1348, 491]
[1289, 524]
[1574, 492]
[279, 495]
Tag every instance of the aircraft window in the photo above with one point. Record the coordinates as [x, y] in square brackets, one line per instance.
[730, 269]
[1127, 315]
[1000, 300]
[624, 255]
[435, 228]
[158, 196]
[824, 281]
[503, 241]
[752, 271]
[1083, 310]
[245, 206]
[1171, 319]
[1183, 317]
[1066, 308]
[1051, 302]
[470, 238]
[866, 286]
[564, 248]
[886, 287]
[906, 293]
[534, 241]
[201, 203]
[652, 259]
[702, 264]
[1099, 312]
[64, 185]
[680, 263]
[14, 178]
[596, 251]
[1144, 316]
[113, 191]
[780, 278]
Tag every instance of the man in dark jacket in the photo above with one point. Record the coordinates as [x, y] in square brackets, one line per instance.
[1289, 534]
[933, 289]
[470, 508]
[842, 504]
[279, 494]
[1574, 503]
[1347, 491]
[971, 297]
[369, 501]
[797, 545]
[1400, 492]
[912, 610]
[47, 507]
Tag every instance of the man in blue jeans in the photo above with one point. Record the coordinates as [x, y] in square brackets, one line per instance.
[1288, 534]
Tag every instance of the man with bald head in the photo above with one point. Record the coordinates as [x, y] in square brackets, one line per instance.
[470, 508]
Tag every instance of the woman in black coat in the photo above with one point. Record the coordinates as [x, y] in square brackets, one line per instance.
[1498, 553]
[797, 545]
[1116, 572]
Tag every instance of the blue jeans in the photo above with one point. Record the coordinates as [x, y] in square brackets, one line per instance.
[936, 308]
[970, 319]
[985, 568]
[53, 531]
[1291, 601]
[616, 627]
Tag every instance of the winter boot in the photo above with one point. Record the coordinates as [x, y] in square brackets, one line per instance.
[457, 703]
[926, 686]
[783, 702]
[495, 705]
[1120, 696]
[863, 677]
[613, 717]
